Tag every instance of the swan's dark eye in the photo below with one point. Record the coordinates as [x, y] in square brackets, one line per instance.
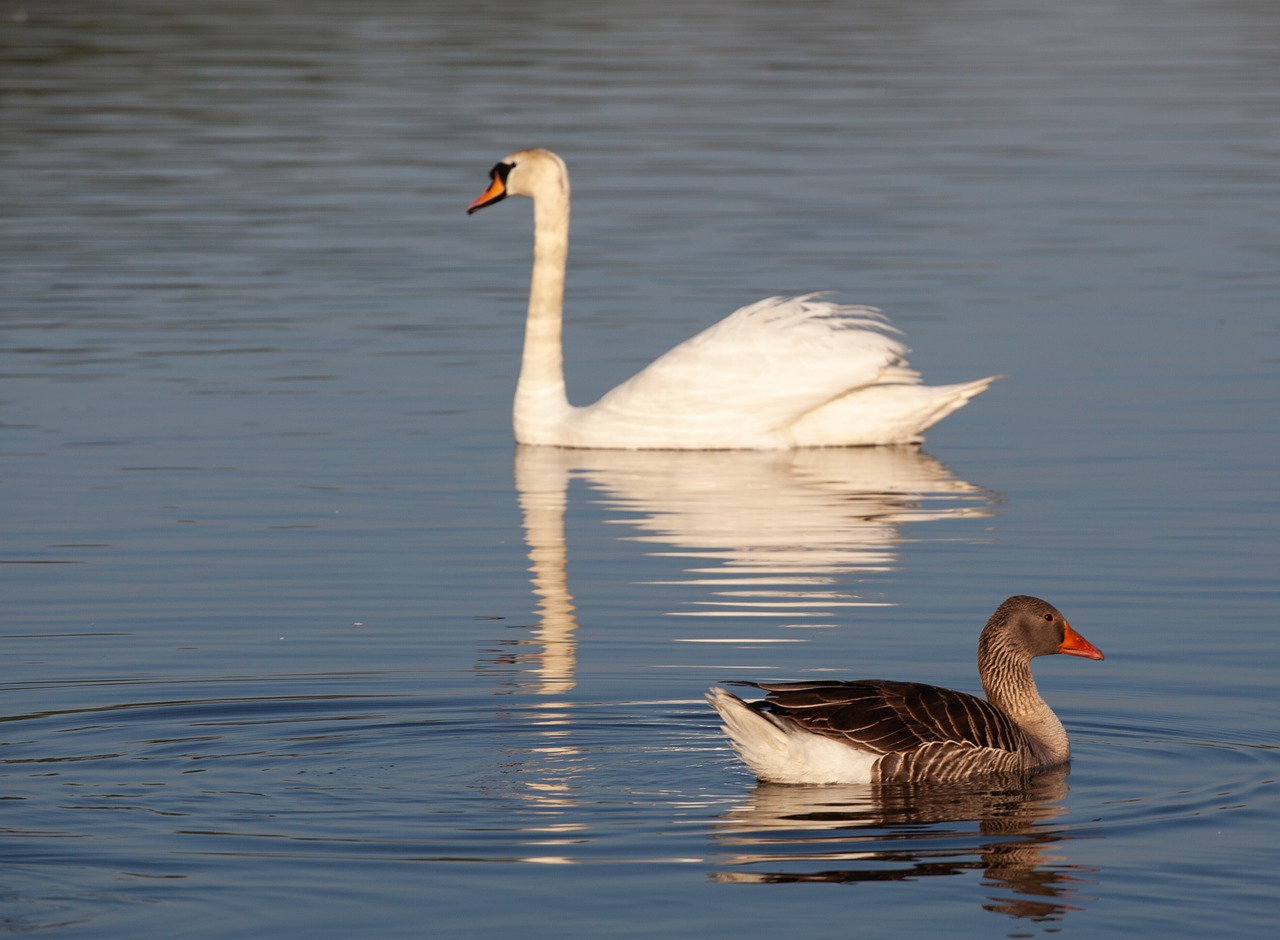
[500, 171]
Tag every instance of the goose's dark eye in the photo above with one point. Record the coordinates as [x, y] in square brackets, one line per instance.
[1048, 618]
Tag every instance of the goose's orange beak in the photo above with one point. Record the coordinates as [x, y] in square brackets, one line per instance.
[497, 190]
[1073, 644]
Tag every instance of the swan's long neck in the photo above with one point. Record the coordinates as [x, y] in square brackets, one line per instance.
[1007, 680]
[541, 403]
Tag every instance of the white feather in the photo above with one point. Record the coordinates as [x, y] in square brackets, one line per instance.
[779, 373]
[777, 751]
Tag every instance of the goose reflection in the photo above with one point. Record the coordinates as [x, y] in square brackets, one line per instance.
[768, 534]
[1000, 826]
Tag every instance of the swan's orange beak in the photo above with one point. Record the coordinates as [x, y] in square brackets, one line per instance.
[497, 190]
[1073, 644]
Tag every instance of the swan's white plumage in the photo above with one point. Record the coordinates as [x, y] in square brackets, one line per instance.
[780, 373]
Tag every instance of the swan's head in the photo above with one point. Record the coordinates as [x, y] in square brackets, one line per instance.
[533, 173]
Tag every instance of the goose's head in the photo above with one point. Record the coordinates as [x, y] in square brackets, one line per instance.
[533, 173]
[1025, 627]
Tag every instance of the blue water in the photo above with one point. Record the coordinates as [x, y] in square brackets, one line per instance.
[297, 642]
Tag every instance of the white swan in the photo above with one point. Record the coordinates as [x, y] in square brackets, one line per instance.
[780, 373]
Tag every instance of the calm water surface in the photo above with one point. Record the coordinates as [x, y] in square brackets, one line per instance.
[297, 642]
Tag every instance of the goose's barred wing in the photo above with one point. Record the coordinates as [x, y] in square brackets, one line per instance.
[922, 731]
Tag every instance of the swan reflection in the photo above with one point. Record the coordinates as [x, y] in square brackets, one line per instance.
[1001, 827]
[775, 534]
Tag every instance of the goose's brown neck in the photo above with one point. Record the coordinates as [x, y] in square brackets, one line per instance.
[1005, 671]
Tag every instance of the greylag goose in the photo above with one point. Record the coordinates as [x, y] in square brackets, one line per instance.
[777, 374]
[876, 730]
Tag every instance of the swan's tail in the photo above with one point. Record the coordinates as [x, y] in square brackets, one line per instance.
[896, 411]
[951, 398]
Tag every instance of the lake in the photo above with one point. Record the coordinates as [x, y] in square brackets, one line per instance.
[298, 642]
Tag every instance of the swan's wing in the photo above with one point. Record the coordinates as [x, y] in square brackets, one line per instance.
[761, 368]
